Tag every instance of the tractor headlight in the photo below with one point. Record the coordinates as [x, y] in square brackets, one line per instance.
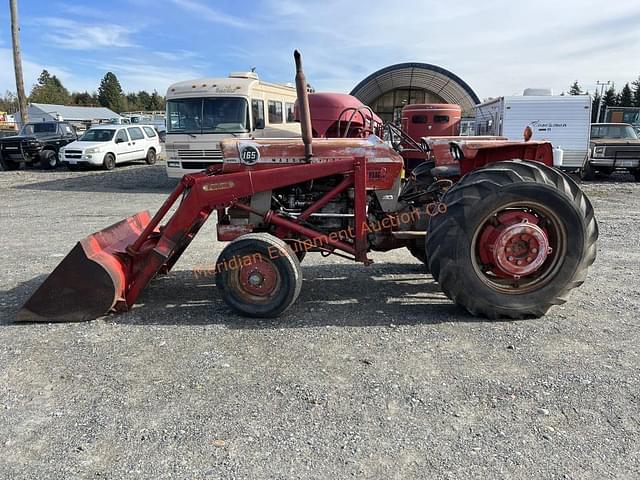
[92, 150]
[598, 152]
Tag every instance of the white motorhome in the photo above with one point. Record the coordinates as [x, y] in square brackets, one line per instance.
[563, 120]
[202, 112]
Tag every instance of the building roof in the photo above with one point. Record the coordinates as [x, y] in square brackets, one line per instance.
[74, 112]
[441, 82]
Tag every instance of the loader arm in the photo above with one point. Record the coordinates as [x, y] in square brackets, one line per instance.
[107, 270]
[202, 194]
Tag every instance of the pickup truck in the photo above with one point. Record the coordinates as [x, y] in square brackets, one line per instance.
[613, 146]
[37, 142]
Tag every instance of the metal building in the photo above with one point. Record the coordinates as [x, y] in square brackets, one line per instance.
[390, 89]
[44, 112]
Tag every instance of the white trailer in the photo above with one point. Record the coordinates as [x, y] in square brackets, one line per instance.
[563, 120]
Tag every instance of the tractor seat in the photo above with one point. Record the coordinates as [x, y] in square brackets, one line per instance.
[446, 171]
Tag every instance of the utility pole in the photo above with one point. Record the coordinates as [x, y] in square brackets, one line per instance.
[601, 85]
[17, 61]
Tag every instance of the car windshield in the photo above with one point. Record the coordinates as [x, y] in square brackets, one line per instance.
[619, 132]
[208, 115]
[97, 135]
[39, 129]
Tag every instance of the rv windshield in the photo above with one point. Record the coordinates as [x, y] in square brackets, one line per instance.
[208, 115]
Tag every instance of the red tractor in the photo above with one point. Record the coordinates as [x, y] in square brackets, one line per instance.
[505, 237]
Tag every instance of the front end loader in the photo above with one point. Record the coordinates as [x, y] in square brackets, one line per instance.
[504, 237]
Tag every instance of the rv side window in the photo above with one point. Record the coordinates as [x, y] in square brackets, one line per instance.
[289, 109]
[419, 119]
[275, 112]
[441, 118]
[257, 111]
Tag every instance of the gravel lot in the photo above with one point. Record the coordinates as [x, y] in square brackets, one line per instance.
[372, 374]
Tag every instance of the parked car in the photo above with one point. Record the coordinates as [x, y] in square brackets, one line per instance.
[613, 146]
[107, 145]
[38, 142]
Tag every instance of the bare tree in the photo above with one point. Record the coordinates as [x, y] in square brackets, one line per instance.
[17, 61]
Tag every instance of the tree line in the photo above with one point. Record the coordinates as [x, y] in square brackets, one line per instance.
[49, 89]
[629, 96]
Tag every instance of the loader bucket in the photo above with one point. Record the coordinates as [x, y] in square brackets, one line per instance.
[90, 280]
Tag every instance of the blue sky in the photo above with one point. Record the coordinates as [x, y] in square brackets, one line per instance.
[499, 47]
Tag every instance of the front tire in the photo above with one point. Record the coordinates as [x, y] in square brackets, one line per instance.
[258, 275]
[49, 160]
[109, 161]
[517, 237]
[151, 157]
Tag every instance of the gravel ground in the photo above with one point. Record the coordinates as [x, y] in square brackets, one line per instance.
[372, 374]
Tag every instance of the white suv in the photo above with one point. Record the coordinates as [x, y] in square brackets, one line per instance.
[107, 145]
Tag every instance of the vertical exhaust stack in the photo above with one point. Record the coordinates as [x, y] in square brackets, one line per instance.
[303, 105]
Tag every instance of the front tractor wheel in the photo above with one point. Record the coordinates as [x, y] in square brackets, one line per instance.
[258, 275]
[516, 238]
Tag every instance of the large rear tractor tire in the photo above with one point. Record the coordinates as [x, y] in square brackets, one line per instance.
[517, 237]
[258, 275]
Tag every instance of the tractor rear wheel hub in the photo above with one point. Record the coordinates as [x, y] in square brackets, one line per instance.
[520, 249]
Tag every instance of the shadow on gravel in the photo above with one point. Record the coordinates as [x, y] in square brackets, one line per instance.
[333, 294]
[123, 179]
[12, 300]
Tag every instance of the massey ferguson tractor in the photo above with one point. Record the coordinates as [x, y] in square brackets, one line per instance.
[503, 233]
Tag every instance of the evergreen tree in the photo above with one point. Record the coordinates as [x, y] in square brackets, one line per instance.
[575, 89]
[626, 97]
[110, 93]
[636, 92]
[157, 102]
[610, 98]
[132, 102]
[144, 100]
[82, 98]
[49, 89]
